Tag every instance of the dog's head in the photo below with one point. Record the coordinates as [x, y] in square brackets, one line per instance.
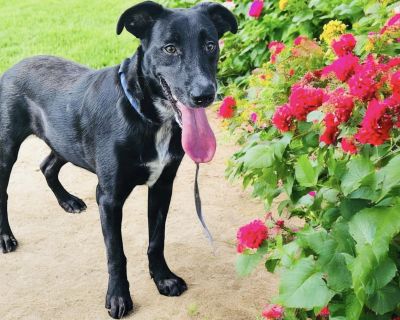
[180, 55]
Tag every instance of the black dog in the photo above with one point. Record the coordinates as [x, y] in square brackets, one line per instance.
[129, 124]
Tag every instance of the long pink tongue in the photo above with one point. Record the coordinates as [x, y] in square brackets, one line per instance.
[198, 139]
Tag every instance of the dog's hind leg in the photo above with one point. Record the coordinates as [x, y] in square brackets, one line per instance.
[51, 167]
[9, 147]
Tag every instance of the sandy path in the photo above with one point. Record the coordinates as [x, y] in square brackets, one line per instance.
[59, 269]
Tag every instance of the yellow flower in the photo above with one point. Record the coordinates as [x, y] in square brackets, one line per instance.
[369, 46]
[283, 4]
[332, 30]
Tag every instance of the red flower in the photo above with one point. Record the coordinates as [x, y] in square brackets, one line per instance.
[276, 48]
[256, 8]
[344, 45]
[312, 193]
[299, 40]
[324, 312]
[304, 99]
[273, 311]
[226, 109]
[363, 85]
[393, 105]
[331, 131]
[376, 125]
[342, 67]
[280, 223]
[395, 83]
[251, 235]
[348, 146]
[393, 62]
[291, 72]
[283, 118]
[343, 104]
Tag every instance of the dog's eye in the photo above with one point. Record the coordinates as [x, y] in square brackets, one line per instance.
[170, 49]
[210, 46]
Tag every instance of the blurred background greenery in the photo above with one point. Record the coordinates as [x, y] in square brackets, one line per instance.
[80, 30]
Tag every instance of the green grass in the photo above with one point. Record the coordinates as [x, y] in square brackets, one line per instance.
[80, 30]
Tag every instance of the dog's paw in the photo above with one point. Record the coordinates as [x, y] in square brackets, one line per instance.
[72, 204]
[172, 286]
[119, 306]
[8, 243]
[118, 300]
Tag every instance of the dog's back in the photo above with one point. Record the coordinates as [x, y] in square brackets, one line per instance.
[46, 96]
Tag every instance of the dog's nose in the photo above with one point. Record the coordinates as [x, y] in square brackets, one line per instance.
[203, 97]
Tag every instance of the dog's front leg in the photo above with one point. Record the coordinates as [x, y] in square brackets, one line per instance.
[118, 298]
[159, 199]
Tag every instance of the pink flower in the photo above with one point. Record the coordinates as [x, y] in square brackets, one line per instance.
[348, 146]
[342, 103]
[304, 99]
[395, 83]
[324, 312]
[312, 193]
[299, 40]
[376, 125]
[392, 22]
[256, 8]
[283, 118]
[251, 235]
[272, 312]
[342, 67]
[344, 45]
[331, 131]
[276, 48]
[226, 109]
[253, 117]
[362, 84]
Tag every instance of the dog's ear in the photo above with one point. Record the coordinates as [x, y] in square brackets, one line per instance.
[139, 19]
[223, 19]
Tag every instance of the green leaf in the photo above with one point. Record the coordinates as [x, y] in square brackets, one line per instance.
[303, 286]
[349, 207]
[357, 169]
[385, 299]
[271, 264]
[281, 145]
[306, 174]
[382, 275]
[316, 115]
[259, 156]
[391, 176]
[373, 229]
[338, 275]
[246, 263]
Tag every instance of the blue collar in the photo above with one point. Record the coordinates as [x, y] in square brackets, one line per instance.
[133, 101]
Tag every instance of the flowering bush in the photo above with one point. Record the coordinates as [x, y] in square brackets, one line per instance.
[261, 22]
[325, 147]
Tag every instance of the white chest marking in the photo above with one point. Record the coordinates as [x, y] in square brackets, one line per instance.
[162, 140]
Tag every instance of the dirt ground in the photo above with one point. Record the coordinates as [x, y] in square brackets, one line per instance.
[59, 268]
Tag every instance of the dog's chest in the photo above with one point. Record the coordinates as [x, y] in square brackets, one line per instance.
[156, 166]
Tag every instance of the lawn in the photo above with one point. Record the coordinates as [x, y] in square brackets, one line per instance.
[79, 30]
